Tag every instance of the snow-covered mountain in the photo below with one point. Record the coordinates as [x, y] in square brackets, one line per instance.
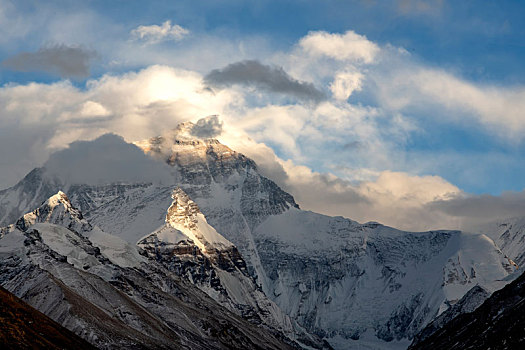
[101, 288]
[337, 278]
[346, 282]
[468, 303]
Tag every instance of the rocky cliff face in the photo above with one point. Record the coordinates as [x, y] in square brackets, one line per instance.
[99, 287]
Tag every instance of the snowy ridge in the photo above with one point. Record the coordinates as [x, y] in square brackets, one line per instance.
[509, 235]
[337, 276]
[468, 303]
[496, 324]
[25, 196]
[57, 210]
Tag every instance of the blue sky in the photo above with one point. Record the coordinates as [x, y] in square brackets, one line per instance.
[426, 88]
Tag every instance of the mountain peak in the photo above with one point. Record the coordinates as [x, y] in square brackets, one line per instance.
[183, 211]
[57, 209]
[185, 147]
[184, 133]
[58, 199]
[185, 216]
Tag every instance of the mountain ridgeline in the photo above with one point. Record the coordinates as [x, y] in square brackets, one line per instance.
[222, 257]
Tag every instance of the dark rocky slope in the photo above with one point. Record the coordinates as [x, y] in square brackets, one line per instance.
[499, 323]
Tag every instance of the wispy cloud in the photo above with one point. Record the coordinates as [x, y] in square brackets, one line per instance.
[418, 7]
[153, 34]
[265, 77]
[63, 60]
[496, 107]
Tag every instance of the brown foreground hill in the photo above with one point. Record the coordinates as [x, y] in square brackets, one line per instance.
[23, 327]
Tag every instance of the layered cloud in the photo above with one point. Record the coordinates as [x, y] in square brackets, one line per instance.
[394, 198]
[345, 83]
[153, 34]
[63, 60]
[38, 119]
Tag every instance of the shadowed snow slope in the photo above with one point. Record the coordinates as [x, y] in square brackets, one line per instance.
[497, 324]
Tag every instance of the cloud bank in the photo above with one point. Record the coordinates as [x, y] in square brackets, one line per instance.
[363, 168]
[107, 159]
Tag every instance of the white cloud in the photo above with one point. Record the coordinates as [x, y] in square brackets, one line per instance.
[412, 190]
[93, 109]
[494, 106]
[398, 83]
[349, 46]
[345, 83]
[153, 34]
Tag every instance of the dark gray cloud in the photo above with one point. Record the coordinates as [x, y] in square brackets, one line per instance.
[269, 78]
[107, 159]
[65, 61]
[207, 127]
